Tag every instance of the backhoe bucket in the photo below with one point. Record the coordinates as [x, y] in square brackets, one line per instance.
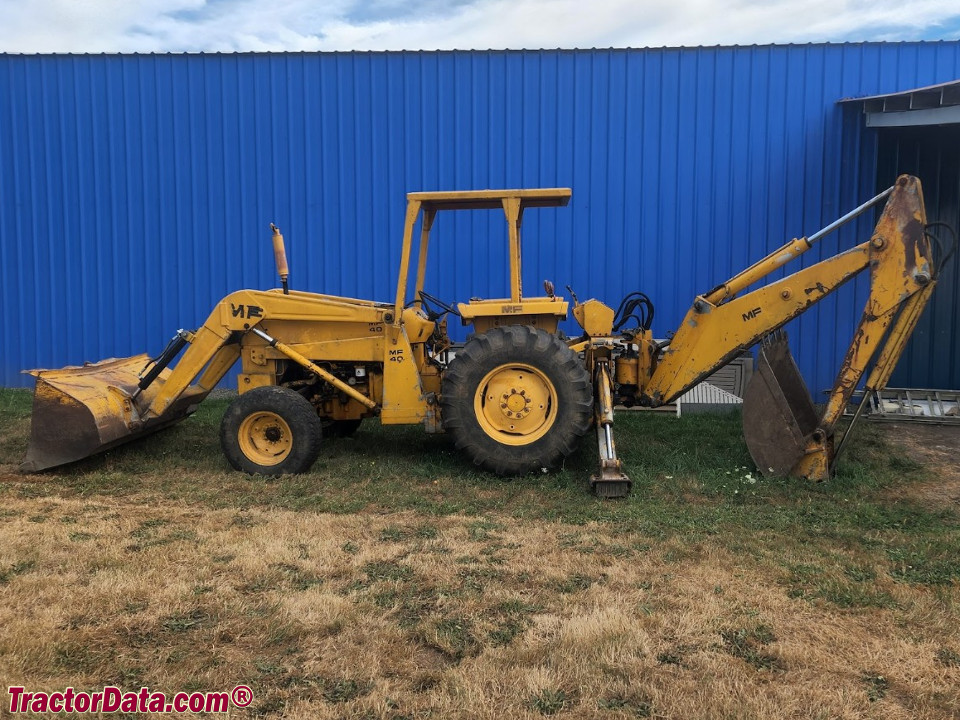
[778, 415]
[80, 411]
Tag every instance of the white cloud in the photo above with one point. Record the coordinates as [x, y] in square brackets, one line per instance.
[255, 25]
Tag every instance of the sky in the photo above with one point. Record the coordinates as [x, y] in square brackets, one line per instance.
[94, 26]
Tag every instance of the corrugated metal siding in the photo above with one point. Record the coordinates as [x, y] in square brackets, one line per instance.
[932, 356]
[135, 191]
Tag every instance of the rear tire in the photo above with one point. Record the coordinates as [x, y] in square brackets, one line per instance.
[516, 399]
[271, 431]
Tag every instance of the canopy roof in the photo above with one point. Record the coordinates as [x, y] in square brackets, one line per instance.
[930, 105]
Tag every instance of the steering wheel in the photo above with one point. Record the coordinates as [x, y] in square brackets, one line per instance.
[431, 302]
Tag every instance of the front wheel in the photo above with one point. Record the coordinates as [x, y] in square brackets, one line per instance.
[271, 431]
[516, 399]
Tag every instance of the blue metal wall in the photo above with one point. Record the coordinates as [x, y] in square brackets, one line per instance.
[135, 191]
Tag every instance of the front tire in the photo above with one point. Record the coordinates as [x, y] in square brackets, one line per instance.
[271, 431]
[516, 399]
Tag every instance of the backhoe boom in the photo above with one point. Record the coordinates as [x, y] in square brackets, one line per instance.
[783, 431]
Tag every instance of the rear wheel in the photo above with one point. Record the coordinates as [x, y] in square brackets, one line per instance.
[271, 431]
[516, 399]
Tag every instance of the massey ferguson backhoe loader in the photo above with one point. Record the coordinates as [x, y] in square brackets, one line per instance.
[515, 397]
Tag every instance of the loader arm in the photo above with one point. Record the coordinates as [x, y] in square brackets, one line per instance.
[720, 325]
[85, 410]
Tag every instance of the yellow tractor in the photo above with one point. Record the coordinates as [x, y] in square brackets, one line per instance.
[516, 397]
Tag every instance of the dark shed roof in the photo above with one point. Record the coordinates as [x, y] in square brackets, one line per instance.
[930, 105]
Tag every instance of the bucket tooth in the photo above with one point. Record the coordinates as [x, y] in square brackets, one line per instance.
[81, 411]
[780, 423]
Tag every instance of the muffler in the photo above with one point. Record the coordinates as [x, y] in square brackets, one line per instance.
[780, 423]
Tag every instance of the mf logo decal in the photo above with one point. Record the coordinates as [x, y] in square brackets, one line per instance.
[246, 311]
[396, 356]
[511, 309]
[750, 314]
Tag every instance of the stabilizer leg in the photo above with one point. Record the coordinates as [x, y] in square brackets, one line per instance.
[611, 481]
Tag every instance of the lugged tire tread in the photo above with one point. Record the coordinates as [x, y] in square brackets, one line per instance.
[294, 408]
[546, 352]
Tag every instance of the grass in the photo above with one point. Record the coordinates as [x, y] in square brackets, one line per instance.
[397, 581]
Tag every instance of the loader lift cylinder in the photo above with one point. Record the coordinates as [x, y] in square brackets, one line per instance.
[316, 370]
[159, 363]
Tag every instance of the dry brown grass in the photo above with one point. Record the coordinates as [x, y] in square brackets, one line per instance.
[936, 447]
[394, 615]
[394, 582]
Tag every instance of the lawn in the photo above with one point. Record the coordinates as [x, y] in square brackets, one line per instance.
[397, 581]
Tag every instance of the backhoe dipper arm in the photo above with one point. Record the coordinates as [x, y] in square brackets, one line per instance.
[902, 278]
[720, 325]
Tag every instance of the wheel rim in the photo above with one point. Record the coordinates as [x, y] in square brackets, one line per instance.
[265, 438]
[515, 404]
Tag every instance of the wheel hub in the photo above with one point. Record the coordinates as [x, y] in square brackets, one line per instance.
[516, 404]
[273, 434]
[265, 438]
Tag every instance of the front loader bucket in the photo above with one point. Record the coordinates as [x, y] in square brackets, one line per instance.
[80, 411]
[779, 419]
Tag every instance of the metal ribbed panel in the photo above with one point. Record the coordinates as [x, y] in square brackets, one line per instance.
[933, 353]
[135, 191]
